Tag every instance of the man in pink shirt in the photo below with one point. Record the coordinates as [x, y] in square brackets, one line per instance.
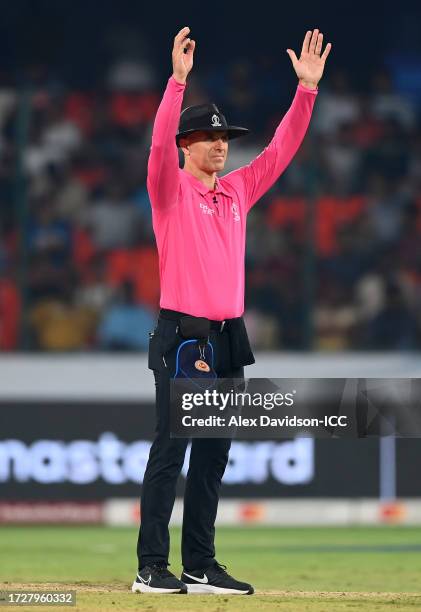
[200, 227]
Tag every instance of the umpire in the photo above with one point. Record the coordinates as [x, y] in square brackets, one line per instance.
[199, 222]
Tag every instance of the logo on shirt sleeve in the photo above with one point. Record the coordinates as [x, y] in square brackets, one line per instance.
[235, 212]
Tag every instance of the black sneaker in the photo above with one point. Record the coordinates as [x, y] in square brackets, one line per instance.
[214, 579]
[156, 578]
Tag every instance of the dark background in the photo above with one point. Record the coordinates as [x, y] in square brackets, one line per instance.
[77, 39]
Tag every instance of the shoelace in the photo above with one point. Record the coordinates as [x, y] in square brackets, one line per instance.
[220, 568]
[162, 570]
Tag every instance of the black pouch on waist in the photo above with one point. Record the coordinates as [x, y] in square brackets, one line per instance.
[194, 328]
[241, 353]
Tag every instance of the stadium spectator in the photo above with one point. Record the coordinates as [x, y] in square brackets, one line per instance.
[394, 327]
[338, 104]
[58, 324]
[125, 324]
[10, 312]
[112, 220]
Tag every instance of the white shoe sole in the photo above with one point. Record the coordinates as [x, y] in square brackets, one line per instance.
[139, 587]
[208, 588]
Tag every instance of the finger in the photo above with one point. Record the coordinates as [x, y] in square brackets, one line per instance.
[306, 42]
[326, 51]
[292, 56]
[182, 34]
[185, 44]
[313, 41]
[180, 48]
[180, 38]
[189, 50]
[319, 44]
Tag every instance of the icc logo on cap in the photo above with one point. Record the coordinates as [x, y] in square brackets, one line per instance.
[215, 121]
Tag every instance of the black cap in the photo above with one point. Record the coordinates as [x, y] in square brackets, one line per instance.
[206, 117]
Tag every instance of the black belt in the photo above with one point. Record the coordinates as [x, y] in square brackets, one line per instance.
[174, 315]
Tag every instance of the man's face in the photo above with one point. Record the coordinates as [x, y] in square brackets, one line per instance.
[206, 150]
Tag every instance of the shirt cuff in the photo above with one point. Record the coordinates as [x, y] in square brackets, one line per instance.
[307, 89]
[176, 82]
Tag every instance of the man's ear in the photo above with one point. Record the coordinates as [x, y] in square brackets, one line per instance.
[184, 146]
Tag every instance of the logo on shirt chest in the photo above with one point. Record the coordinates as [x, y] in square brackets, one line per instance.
[206, 210]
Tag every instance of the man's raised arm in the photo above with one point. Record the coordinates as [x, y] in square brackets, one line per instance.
[163, 173]
[258, 176]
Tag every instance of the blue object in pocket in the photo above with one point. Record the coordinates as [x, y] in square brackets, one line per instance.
[195, 364]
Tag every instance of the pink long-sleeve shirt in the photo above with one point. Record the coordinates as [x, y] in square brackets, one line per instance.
[201, 233]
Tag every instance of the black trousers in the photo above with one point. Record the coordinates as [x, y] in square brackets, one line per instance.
[208, 458]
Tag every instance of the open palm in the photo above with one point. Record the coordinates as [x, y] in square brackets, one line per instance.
[309, 68]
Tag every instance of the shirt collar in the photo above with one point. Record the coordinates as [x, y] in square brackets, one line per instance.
[201, 187]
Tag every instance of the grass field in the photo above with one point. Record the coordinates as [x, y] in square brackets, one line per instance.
[311, 569]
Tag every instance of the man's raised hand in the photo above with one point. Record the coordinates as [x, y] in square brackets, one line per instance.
[310, 66]
[182, 62]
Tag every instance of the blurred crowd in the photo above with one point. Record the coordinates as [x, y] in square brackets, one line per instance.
[333, 256]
